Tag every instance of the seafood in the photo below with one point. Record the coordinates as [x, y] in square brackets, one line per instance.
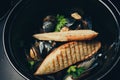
[66, 55]
[68, 77]
[45, 47]
[34, 53]
[70, 22]
[76, 16]
[86, 64]
[49, 23]
[48, 26]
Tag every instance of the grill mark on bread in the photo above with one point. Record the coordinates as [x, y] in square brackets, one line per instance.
[77, 51]
[67, 55]
[53, 65]
[70, 56]
[65, 58]
[58, 61]
[93, 45]
[91, 50]
[61, 61]
[88, 48]
[81, 50]
[83, 46]
[94, 48]
[62, 57]
[83, 54]
[76, 54]
[48, 69]
[72, 52]
[56, 64]
[75, 58]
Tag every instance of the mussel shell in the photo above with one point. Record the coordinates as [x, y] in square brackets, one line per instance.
[70, 22]
[48, 26]
[49, 23]
[86, 64]
[50, 18]
[34, 54]
[45, 47]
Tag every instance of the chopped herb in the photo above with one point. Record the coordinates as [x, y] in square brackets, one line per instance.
[61, 21]
[75, 71]
[71, 69]
[31, 63]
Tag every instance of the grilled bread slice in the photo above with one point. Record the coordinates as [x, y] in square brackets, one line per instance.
[67, 35]
[66, 55]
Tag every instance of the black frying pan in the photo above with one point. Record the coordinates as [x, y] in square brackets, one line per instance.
[25, 19]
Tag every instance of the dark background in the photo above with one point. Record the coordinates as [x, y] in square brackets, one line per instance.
[8, 73]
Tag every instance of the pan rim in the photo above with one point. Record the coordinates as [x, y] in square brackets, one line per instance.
[3, 40]
[102, 2]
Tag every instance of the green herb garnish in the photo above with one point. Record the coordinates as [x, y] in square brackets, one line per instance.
[61, 21]
[31, 63]
[75, 71]
[71, 69]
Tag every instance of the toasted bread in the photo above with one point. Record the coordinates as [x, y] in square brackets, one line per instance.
[66, 55]
[67, 35]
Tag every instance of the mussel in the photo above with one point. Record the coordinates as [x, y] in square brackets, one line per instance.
[45, 47]
[49, 23]
[34, 53]
[48, 26]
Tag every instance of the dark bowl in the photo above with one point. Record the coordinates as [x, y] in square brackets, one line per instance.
[25, 19]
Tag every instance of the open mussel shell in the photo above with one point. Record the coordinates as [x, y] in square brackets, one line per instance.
[34, 53]
[45, 47]
[40, 50]
[70, 22]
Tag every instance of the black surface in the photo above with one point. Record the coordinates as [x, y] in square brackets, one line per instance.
[3, 7]
[8, 73]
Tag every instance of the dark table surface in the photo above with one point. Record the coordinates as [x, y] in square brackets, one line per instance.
[8, 73]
